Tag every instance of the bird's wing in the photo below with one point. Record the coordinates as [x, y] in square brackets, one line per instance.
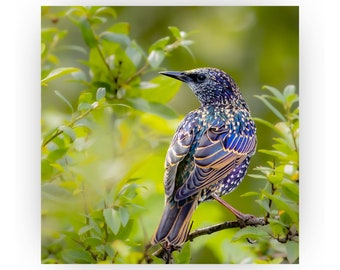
[177, 151]
[218, 152]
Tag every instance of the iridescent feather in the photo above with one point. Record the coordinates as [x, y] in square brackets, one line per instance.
[209, 153]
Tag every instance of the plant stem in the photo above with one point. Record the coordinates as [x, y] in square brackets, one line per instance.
[138, 73]
[103, 58]
[59, 131]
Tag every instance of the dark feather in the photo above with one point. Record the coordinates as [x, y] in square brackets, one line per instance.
[209, 153]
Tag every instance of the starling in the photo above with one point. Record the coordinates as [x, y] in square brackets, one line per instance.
[209, 153]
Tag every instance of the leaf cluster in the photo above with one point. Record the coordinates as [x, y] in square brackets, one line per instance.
[280, 196]
[90, 204]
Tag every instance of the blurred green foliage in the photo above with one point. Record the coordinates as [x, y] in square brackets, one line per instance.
[108, 118]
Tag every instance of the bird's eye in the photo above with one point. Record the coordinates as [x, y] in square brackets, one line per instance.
[200, 78]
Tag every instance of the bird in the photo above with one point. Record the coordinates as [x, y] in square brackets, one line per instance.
[209, 154]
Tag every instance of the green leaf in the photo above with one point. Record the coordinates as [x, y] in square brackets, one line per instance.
[286, 144]
[291, 190]
[87, 32]
[120, 63]
[257, 176]
[55, 193]
[78, 11]
[271, 107]
[95, 227]
[108, 11]
[58, 166]
[275, 178]
[120, 28]
[289, 91]
[264, 205]
[287, 206]
[43, 47]
[79, 76]
[182, 256]
[57, 154]
[175, 31]
[97, 66]
[161, 89]
[159, 109]
[185, 44]
[84, 106]
[85, 97]
[112, 219]
[129, 191]
[58, 94]
[250, 232]
[286, 219]
[275, 92]
[124, 215]
[109, 250]
[249, 194]
[84, 229]
[135, 53]
[292, 249]
[155, 58]
[292, 98]
[77, 256]
[159, 44]
[69, 132]
[126, 232]
[93, 241]
[75, 48]
[84, 101]
[268, 124]
[276, 260]
[58, 72]
[273, 98]
[156, 260]
[286, 134]
[279, 223]
[273, 153]
[46, 169]
[101, 92]
[121, 39]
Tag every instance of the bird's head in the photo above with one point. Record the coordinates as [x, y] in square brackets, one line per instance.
[210, 85]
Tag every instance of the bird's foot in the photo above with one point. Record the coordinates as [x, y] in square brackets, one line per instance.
[243, 218]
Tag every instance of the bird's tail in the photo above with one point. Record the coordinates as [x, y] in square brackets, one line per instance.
[173, 228]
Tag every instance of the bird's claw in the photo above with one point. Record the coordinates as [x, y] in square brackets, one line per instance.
[244, 218]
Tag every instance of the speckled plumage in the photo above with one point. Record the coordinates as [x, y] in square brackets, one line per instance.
[209, 153]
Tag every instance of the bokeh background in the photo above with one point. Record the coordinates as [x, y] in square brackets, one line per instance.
[256, 45]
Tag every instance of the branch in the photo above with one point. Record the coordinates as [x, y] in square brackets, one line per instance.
[139, 73]
[252, 221]
[59, 131]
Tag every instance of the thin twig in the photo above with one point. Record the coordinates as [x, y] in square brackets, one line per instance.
[252, 221]
[59, 131]
[139, 73]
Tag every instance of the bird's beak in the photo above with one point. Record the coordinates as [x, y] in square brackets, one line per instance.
[179, 75]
